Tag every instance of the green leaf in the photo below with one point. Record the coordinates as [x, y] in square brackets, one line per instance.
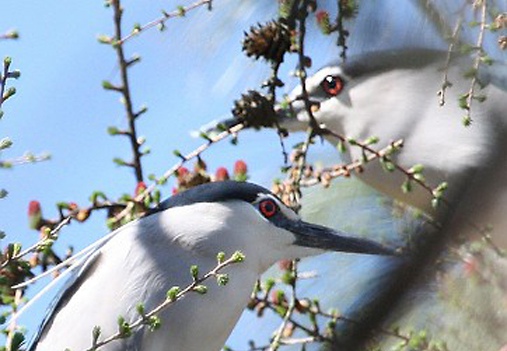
[194, 272]
[112, 130]
[205, 136]
[288, 278]
[9, 93]
[406, 187]
[222, 279]
[6, 164]
[463, 102]
[137, 28]
[96, 333]
[467, 121]
[387, 165]
[140, 309]
[172, 293]
[161, 26]
[142, 110]
[221, 257]
[96, 195]
[201, 289]
[17, 341]
[14, 74]
[269, 284]
[156, 196]
[440, 189]
[352, 141]
[372, 140]
[415, 169]
[119, 161]
[341, 146]
[480, 98]
[108, 85]
[177, 153]
[124, 327]
[154, 323]
[104, 39]
[181, 11]
[238, 257]
[13, 249]
[419, 177]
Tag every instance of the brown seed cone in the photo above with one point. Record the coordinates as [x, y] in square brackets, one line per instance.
[270, 41]
[254, 110]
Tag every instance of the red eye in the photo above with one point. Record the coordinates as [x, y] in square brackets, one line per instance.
[268, 208]
[332, 85]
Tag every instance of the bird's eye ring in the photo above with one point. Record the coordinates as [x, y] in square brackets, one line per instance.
[332, 85]
[268, 208]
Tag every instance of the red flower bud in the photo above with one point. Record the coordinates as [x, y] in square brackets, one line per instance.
[221, 174]
[140, 188]
[240, 167]
[34, 215]
[322, 15]
[182, 171]
[323, 21]
[285, 265]
[240, 171]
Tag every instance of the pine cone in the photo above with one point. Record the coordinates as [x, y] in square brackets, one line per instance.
[254, 110]
[270, 41]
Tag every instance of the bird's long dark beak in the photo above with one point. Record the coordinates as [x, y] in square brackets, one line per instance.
[320, 237]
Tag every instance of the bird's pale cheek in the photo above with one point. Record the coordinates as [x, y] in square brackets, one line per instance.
[333, 115]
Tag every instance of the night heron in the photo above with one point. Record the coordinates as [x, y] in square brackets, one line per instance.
[418, 96]
[147, 257]
[393, 95]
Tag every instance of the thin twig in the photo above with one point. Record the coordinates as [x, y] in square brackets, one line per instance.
[380, 155]
[24, 160]
[453, 41]
[485, 236]
[11, 34]
[166, 16]
[276, 342]
[470, 95]
[302, 64]
[18, 294]
[125, 91]
[295, 178]
[3, 80]
[272, 85]
[140, 322]
[171, 171]
[355, 166]
[35, 247]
